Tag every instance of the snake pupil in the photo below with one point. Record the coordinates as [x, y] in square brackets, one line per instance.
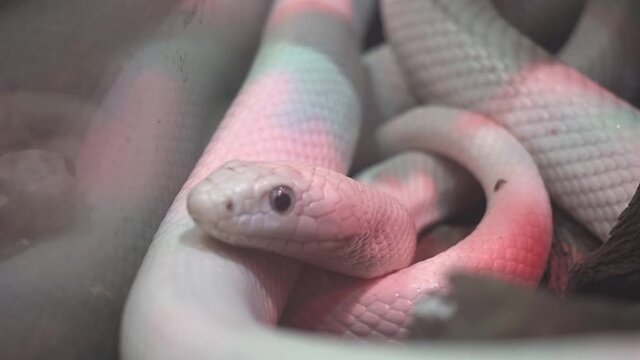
[281, 198]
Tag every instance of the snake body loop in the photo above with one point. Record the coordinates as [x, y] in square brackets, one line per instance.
[583, 139]
[301, 103]
[512, 241]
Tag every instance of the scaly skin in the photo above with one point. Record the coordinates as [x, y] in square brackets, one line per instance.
[429, 186]
[198, 299]
[584, 140]
[512, 241]
[300, 103]
[331, 221]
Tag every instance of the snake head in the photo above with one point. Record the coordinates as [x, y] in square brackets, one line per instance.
[309, 213]
[253, 204]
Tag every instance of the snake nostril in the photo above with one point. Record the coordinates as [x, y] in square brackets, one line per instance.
[228, 204]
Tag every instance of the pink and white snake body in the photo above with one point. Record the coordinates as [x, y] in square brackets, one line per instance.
[307, 110]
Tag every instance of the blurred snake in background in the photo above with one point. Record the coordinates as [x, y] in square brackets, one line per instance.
[199, 298]
[447, 68]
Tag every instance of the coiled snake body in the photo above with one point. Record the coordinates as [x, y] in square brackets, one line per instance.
[301, 103]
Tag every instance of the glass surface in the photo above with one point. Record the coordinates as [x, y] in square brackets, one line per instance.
[107, 105]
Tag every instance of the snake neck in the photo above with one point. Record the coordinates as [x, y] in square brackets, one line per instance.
[372, 223]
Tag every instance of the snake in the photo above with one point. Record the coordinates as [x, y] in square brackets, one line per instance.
[198, 298]
[325, 219]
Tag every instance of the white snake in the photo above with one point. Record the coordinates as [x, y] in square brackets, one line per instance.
[331, 221]
[300, 104]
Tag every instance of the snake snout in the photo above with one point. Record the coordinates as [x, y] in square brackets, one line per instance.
[205, 208]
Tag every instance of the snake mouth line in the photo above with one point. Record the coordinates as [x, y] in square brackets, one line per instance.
[258, 242]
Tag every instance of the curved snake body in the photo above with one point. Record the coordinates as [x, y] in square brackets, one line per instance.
[225, 295]
[349, 235]
[583, 139]
[305, 108]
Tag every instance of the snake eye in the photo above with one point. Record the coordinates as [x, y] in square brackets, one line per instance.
[281, 199]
